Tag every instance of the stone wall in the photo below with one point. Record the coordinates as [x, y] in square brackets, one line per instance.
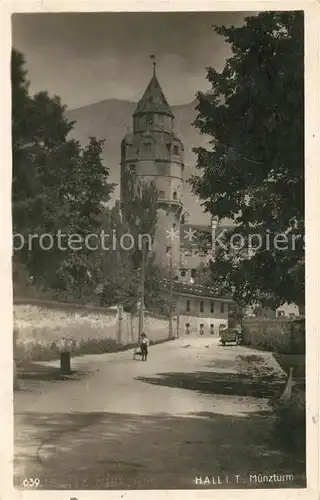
[267, 333]
[38, 326]
[156, 328]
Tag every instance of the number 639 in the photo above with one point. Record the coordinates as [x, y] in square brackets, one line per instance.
[31, 482]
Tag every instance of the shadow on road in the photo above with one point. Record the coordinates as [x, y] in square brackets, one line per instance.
[129, 451]
[219, 383]
[36, 371]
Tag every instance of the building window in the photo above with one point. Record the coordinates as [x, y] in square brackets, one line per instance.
[183, 273]
[147, 147]
[188, 306]
[149, 119]
[211, 329]
[187, 328]
[168, 250]
[132, 169]
[176, 150]
[212, 307]
[221, 307]
[193, 273]
[161, 195]
[280, 314]
[174, 195]
[201, 329]
[201, 307]
[291, 315]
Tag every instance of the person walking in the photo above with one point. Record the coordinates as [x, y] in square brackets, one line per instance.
[144, 344]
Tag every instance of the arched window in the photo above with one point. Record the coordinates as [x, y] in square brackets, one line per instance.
[185, 218]
[176, 149]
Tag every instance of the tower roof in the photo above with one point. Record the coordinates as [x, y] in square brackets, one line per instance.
[153, 100]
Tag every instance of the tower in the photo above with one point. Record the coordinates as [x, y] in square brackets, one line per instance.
[153, 152]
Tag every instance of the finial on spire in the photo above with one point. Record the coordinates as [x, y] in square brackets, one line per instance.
[153, 57]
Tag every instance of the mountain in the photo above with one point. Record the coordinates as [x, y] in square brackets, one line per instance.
[110, 120]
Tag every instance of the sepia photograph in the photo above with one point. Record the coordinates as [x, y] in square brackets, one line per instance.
[158, 265]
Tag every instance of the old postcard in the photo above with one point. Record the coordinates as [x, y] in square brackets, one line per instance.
[160, 162]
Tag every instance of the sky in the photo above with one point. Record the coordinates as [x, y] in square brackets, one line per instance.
[90, 57]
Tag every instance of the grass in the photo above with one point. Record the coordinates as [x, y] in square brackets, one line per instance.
[254, 366]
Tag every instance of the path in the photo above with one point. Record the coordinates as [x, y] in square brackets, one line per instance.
[190, 411]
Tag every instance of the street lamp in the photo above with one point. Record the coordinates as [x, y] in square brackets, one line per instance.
[142, 278]
[169, 254]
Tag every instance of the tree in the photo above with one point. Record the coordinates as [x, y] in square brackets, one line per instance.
[139, 212]
[253, 171]
[58, 187]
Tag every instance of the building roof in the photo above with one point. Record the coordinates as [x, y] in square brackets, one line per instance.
[191, 235]
[153, 100]
[197, 290]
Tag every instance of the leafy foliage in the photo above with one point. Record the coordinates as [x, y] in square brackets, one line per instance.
[58, 187]
[254, 171]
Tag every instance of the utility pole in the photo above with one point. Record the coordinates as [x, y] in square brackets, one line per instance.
[142, 273]
[171, 297]
[120, 318]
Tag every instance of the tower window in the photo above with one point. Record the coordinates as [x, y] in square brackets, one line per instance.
[221, 307]
[183, 273]
[212, 307]
[132, 169]
[201, 307]
[147, 147]
[149, 119]
[175, 195]
[161, 195]
[188, 306]
[176, 150]
[160, 120]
